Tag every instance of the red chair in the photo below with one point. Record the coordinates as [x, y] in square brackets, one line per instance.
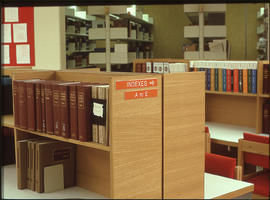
[254, 149]
[221, 165]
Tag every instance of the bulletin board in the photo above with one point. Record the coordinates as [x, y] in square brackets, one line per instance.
[17, 36]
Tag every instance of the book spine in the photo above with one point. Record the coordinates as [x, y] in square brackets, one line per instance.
[32, 179]
[23, 105]
[220, 80]
[149, 68]
[245, 81]
[229, 80]
[64, 107]
[254, 81]
[37, 180]
[266, 118]
[28, 178]
[212, 79]
[73, 112]
[235, 80]
[22, 164]
[232, 80]
[240, 77]
[43, 108]
[249, 81]
[138, 67]
[31, 118]
[94, 125]
[208, 79]
[16, 103]
[83, 113]
[266, 75]
[216, 79]
[38, 107]
[143, 67]
[56, 110]
[102, 128]
[49, 108]
[224, 80]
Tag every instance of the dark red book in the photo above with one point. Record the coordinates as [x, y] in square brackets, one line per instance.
[31, 105]
[16, 112]
[38, 105]
[266, 117]
[143, 67]
[64, 109]
[266, 81]
[84, 122]
[235, 80]
[138, 67]
[22, 104]
[56, 109]
[73, 111]
[49, 106]
[43, 108]
[228, 80]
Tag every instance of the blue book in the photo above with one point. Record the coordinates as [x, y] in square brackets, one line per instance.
[254, 81]
[208, 79]
[224, 80]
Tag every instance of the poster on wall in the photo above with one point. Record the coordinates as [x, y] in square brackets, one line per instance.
[17, 37]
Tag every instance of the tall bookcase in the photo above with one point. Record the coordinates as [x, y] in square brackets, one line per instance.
[151, 147]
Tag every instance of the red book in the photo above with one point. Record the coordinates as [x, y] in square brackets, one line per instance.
[31, 106]
[143, 67]
[22, 104]
[138, 67]
[56, 109]
[38, 105]
[48, 106]
[64, 109]
[235, 80]
[84, 123]
[228, 80]
[266, 81]
[73, 110]
[43, 108]
[16, 112]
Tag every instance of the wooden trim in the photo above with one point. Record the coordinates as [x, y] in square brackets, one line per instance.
[236, 193]
[238, 173]
[255, 147]
[207, 143]
[231, 93]
[227, 143]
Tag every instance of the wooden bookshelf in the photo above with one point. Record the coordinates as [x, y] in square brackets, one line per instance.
[131, 166]
[231, 93]
[8, 121]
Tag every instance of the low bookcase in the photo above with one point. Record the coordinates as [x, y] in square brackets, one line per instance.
[131, 166]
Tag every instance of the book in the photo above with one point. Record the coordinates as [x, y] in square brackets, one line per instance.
[224, 80]
[228, 80]
[220, 80]
[49, 106]
[38, 106]
[64, 109]
[149, 67]
[249, 79]
[212, 86]
[240, 78]
[155, 67]
[235, 80]
[143, 67]
[216, 79]
[6, 91]
[138, 67]
[16, 113]
[266, 117]
[22, 159]
[245, 80]
[52, 153]
[208, 79]
[22, 104]
[56, 109]
[84, 122]
[53, 178]
[43, 108]
[95, 133]
[232, 80]
[266, 79]
[254, 81]
[73, 110]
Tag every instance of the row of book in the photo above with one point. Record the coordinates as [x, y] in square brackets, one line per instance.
[45, 165]
[228, 76]
[160, 67]
[76, 110]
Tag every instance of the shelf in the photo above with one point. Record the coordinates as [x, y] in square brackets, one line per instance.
[8, 121]
[135, 19]
[231, 93]
[127, 39]
[216, 31]
[210, 8]
[86, 144]
[79, 18]
[207, 55]
[77, 34]
[264, 95]
[77, 51]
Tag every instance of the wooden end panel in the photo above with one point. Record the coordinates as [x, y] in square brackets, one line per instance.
[136, 142]
[184, 137]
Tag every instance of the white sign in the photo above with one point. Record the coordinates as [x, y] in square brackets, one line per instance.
[20, 32]
[98, 109]
[6, 33]
[5, 58]
[11, 14]
[23, 54]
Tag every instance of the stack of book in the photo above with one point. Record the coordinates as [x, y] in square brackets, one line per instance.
[68, 109]
[161, 67]
[228, 76]
[45, 165]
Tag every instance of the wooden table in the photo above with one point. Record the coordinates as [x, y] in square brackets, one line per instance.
[219, 187]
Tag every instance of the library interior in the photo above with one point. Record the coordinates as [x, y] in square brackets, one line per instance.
[160, 101]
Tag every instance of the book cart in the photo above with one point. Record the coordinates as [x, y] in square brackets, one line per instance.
[183, 132]
[155, 151]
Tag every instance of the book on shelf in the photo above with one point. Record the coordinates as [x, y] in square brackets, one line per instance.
[160, 67]
[43, 108]
[56, 109]
[38, 110]
[95, 134]
[64, 109]
[266, 79]
[73, 110]
[49, 106]
[53, 178]
[16, 112]
[229, 76]
[22, 157]
[22, 104]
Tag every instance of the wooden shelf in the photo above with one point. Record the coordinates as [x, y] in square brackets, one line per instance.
[264, 95]
[77, 34]
[231, 93]
[8, 121]
[209, 31]
[77, 51]
[86, 144]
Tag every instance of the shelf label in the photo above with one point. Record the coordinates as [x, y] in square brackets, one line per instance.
[135, 84]
[141, 94]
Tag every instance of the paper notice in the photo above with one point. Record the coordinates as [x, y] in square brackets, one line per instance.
[6, 33]
[98, 109]
[23, 54]
[11, 14]
[5, 54]
[20, 32]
